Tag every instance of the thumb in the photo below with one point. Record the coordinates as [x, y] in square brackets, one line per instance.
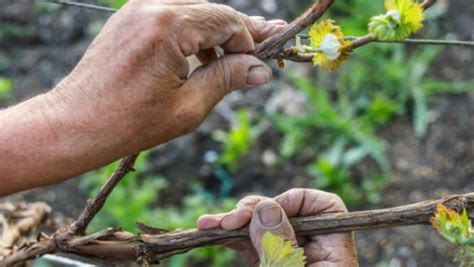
[269, 216]
[208, 84]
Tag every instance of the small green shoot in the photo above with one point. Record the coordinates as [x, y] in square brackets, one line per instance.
[457, 229]
[280, 253]
[403, 18]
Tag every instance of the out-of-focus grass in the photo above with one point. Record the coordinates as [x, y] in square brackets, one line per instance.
[237, 141]
[6, 86]
[345, 109]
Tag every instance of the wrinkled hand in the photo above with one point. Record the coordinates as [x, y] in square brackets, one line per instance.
[135, 81]
[133, 89]
[265, 214]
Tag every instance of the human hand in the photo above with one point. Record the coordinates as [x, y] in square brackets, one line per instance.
[134, 82]
[265, 214]
[133, 89]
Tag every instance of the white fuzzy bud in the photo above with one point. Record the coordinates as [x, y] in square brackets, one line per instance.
[330, 46]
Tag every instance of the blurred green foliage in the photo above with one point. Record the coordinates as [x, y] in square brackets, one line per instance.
[353, 15]
[340, 136]
[44, 8]
[117, 3]
[4, 64]
[6, 86]
[237, 141]
[8, 30]
[114, 3]
[345, 109]
[134, 199]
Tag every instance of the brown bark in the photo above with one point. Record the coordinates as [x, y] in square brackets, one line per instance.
[114, 245]
[95, 205]
[272, 47]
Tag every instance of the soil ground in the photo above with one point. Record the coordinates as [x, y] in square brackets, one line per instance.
[437, 165]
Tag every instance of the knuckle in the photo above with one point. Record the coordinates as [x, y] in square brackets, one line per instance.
[147, 18]
[249, 200]
[294, 191]
[223, 15]
[225, 72]
[338, 204]
[164, 15]
[264, 202]
[292, 195]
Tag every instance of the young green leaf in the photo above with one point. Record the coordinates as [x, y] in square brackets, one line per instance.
[403, 18]
[279, 253]
[457, 229]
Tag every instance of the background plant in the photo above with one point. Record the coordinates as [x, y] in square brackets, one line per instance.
[237, 141]
[6, 86]
[344, 110]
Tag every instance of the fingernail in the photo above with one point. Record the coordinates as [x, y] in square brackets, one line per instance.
[258, 75]
[270, 215]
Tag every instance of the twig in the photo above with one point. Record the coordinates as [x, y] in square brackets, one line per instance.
[274, 45]
[428, 3]
[289, 54]
[431, 42]
[410, 41]
[152, 248]
[149, 229]
[93, 206]
[82, 5]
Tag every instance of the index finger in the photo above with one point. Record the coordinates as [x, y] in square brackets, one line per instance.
[211, 25]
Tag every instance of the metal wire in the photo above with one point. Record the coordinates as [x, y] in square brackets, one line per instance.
[82, 5]
[411, 41]
[302, 36]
